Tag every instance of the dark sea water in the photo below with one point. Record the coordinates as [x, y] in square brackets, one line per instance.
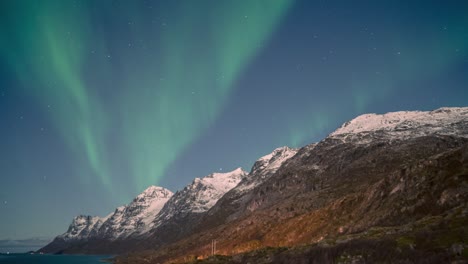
[51, 259]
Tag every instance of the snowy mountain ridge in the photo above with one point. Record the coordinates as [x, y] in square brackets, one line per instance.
[140, 216]
[265, 167]
[220, 194]
[200, 195]
[130, 220]
[431, 121]
[135, 218]
[261, 171]
[81, 227]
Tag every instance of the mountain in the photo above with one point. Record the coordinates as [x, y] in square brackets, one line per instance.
[81, 227]
[181, 213]
[265, 167]
[200, 195]
[129, 225]
[394, 183]
[406, 124]
[137, 217]
[126, 221]
[227, 208]
[389, 188]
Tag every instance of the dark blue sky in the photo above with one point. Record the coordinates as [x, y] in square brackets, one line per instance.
[98, 100]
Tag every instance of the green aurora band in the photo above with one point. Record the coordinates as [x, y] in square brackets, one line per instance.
[65, 60]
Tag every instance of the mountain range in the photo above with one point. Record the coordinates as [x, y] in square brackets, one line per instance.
[379, 183]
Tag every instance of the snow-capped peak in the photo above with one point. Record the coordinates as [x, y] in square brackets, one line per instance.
[137, 217]
[271, 162]
[437, 121]
[81, 227]
[133, 219]
[154, 192]
[200, 195]
[223, 182]
[264, 167]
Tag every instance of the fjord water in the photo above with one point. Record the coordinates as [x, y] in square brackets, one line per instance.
[51, 259]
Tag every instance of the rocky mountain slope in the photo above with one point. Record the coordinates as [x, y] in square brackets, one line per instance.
[385, 180]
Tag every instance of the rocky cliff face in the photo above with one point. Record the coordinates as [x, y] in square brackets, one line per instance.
[404, 170]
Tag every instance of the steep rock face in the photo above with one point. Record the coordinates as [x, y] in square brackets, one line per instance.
[358, 178]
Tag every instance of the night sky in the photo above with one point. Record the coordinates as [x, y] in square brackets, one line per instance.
[100, 99]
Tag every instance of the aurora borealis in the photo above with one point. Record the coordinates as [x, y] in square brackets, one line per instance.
[160, 113]
[100, 99]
